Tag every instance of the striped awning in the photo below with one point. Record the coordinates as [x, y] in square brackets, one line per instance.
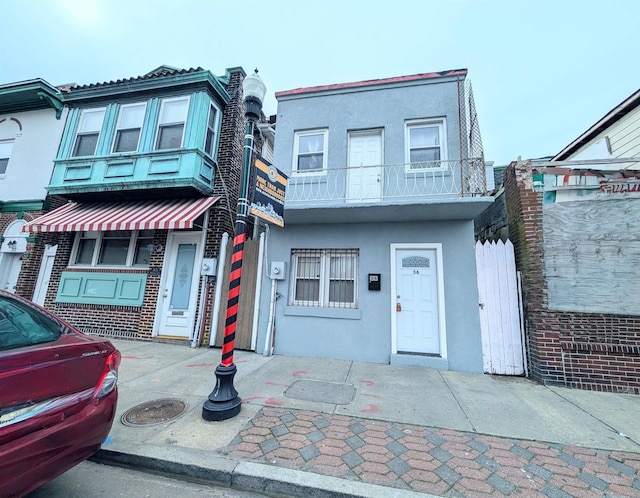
[167, 214]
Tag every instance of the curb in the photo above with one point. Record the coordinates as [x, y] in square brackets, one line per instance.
[202, 466]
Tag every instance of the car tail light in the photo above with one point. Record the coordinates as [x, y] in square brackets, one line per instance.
[109, 377]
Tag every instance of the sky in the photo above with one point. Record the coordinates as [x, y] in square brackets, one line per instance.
[542, 71]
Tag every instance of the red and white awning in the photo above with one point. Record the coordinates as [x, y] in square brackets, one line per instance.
[167, 214]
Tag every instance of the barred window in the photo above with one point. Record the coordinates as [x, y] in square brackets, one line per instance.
[325, 278]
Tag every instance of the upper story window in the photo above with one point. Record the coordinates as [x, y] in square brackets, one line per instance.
[324, 278]
[426, 144]
[173, 115]
[210, 141]
[5, 153]
[88, 132]
[113, 248]
[310, 151]
[130, 120]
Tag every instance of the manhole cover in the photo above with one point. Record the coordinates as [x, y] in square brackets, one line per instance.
[154, 412]
[322, 392]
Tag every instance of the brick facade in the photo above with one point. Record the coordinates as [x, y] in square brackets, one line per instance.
[137, 322]
[599, 352]
[32, 256]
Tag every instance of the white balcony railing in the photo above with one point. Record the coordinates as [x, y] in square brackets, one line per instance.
[389, 182]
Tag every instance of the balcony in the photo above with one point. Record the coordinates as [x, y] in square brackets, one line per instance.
[172, 173]
[407, 191]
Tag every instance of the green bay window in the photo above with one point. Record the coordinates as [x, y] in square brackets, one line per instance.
[173, 115]
[88, 132]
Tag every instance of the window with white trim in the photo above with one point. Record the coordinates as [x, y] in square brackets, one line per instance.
[130, 120]
[173, 115]
[310, 151]
[326, 278]
[113, 248]
[426, 144]
[88, 132]
[210, 138]
[5, 153]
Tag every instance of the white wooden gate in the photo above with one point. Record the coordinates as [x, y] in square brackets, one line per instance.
[500, 310]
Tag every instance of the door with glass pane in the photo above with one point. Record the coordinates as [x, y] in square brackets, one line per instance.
[10, 264]
[416, 304]
[179, 292]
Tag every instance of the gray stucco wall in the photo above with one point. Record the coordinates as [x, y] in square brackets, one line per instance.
[385, 107]
[367, 336]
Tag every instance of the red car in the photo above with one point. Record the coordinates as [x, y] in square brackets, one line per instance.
[58, 395]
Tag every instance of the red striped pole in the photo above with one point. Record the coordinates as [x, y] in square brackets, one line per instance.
[224, 402]
[228, 344]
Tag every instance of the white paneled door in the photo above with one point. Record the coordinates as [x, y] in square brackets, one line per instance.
[416, 302]
[364, 182]
[44, 275]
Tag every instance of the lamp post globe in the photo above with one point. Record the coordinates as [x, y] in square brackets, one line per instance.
[254, 91]
[223, 402]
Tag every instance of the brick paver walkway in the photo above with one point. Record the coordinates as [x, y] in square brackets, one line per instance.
[438, 461]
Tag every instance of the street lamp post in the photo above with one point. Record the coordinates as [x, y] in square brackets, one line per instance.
[224, 402]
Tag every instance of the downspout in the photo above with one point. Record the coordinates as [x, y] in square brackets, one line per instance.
[256, 303]
[268, 337]
[195, 341]
[460, 139]
[219, 281]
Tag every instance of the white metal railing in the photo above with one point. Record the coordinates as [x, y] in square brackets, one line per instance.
[389, 182]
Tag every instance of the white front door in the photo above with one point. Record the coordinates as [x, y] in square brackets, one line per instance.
[179, 292]
[364, 181]
[42, 284]
[416, 306]
[9, 270]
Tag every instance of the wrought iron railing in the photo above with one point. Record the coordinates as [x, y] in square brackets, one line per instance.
[389, 182]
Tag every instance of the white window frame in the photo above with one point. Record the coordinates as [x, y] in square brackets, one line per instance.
[119, 128]
[296, 151]
[214, 130]
[8, 146]
[98, 236]
[80, 132]
[325, 256]
[171, 123]
[440, 123]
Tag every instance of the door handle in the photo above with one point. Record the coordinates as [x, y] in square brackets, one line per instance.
[398, 307]
[166, 293]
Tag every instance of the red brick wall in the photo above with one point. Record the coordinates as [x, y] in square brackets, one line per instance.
[227, 186]
[599, 352]
[32, 257]
[137, 322]
[108, 321]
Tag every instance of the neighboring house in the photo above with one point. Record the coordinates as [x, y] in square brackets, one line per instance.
[573, 222]
[376, 260]
[148, 168]
[32, 118]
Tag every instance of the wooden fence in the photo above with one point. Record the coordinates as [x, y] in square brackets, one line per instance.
[503, 349]
[244, 325]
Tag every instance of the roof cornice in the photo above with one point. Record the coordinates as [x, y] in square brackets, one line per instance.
[372, 83]
[147, 84]
[30, 95]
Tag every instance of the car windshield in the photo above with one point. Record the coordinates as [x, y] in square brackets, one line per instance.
[21, 325]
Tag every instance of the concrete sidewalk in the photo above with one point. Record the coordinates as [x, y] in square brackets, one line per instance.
[321, 427]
